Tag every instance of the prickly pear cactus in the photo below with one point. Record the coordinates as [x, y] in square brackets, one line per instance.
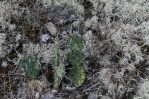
[76, 42]
[58, 75]
[31, 66]
[75, 57]
[59, 69]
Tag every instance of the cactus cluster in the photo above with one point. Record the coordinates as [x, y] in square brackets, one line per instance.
[75, 58]
[32, 67]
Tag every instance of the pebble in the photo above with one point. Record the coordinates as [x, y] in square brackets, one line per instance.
[70, 88]
[4, 64]
[44, 38]
[37, 95]
[51, 28]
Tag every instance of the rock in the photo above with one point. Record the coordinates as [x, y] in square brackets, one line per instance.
[44, 38]
[12, 27]
[51, 28]
[37, 95]
[70, 88]
[4, 64]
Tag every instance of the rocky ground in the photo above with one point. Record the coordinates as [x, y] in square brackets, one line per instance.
[114, 63]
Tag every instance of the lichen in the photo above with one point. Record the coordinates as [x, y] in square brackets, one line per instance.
[45, 52]
[7, 9]
[74, 3]
[2, 41]
[143, 91]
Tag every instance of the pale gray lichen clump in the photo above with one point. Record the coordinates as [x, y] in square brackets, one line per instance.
[131, 24]
[133, 11]
[123, 40]
[143, 91]
[74, 3]
[2, 41]
[124, 24]
[45, 52]
[7, 9]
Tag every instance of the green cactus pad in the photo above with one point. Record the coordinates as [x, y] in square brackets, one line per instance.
[31, 66]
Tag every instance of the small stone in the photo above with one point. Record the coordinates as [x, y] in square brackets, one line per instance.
[12, 27]
[51, 28]
[44, 38]
[62, 21]
[37, 95]
[4, 64]
[54, 91]
[70, 88]
[18, 37]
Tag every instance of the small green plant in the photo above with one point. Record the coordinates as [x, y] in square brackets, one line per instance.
[75, 58]
[58, 75]
[76, 43]
[58, 66]
[31, 66]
